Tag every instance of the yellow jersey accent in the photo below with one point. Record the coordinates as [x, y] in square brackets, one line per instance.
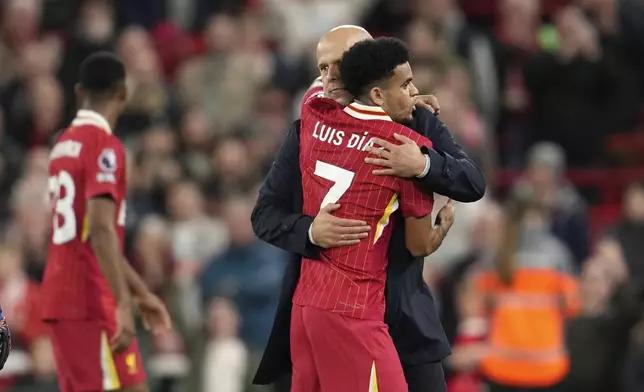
[384, 221]
[373, 379]
[85, 232]
[111, 380]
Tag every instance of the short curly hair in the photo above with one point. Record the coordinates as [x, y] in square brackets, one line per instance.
[101, 72]
[371, 62]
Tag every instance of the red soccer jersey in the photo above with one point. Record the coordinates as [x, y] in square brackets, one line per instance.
[351, 280]
[87, 161]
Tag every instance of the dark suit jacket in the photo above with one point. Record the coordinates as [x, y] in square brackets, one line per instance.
[411, 313]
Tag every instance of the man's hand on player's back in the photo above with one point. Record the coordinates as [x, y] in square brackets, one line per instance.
[328, 231]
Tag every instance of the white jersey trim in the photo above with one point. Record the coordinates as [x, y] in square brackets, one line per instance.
[90, 117]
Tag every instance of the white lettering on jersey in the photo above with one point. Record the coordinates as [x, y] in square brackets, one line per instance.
[326, 134]
[68, 148]
[106, 177]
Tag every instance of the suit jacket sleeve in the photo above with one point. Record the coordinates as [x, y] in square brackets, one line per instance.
[277, 217]
[452, 173]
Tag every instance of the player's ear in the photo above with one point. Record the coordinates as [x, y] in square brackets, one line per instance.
[376, 95]
[122, 92]
[80, 94]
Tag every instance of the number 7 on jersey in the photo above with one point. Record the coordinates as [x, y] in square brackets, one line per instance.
[341, 178]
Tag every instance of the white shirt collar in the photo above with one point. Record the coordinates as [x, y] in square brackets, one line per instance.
[366, 112]
[90, 117]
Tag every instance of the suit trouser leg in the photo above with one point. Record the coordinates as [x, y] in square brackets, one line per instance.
[426, 377]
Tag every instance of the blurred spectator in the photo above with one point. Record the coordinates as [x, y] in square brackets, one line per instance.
[196, 238]
[299, 33]
[10, 161]
[516, 33]
[461, 309]
[474, 47]
[431, 58]
[197, 142]
[224, 80]
[621, 21]
[225, 362]
[32, 99]
[582, 91]
[19, 27]
[92, 29]
[598, 338]
[249, 272]
[31, 221]
[629, 232]
[485, 230]
[234, 172]
[458, 244]
[565, 209]
[151, 101]
[528, 291]
[463, 120]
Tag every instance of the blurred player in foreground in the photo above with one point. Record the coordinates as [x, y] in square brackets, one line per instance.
[5, 340]
[89, 288]
[339, 340]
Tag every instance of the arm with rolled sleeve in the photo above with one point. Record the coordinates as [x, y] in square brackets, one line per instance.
[276, 218]
[450, 172]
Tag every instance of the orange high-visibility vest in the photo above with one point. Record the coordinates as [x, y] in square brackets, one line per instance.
[526, 324]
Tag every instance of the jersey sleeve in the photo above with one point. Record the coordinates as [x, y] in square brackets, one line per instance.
[104, 168]
[413, 202]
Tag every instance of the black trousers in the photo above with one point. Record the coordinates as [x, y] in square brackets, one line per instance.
[492, 387]
[427, 377]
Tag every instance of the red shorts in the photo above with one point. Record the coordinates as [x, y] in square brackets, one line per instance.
[85, 362]
[336, 353]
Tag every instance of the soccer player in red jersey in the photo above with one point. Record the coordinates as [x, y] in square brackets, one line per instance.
[339, 341]
[89, 288]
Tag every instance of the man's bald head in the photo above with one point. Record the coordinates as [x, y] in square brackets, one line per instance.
[329, 53]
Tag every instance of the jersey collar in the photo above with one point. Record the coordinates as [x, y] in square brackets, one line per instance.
[90, 117]
[366, 112]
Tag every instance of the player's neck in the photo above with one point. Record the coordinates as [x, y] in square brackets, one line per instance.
[105, 109]
[365, 102]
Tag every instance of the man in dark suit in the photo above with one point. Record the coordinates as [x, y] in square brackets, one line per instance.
[277, 219]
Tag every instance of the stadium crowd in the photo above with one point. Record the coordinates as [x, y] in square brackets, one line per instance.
[533, 90]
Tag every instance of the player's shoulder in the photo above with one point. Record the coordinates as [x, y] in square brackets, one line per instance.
[89, 132]
[320, 103]
[316, 90]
